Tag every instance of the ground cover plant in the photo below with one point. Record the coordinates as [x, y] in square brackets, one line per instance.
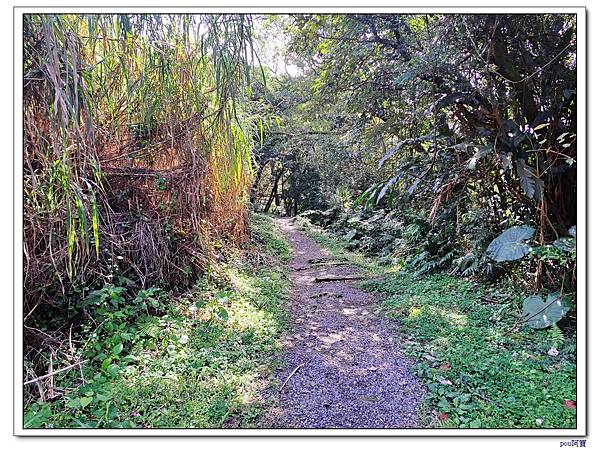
[484, 368]
[201, 360]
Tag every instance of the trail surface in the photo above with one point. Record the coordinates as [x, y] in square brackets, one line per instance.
[349, 369]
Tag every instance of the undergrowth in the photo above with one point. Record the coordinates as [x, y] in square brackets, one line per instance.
[196, 361]
[269, 237]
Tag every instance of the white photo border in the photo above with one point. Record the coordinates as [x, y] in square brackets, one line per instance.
[582, 351]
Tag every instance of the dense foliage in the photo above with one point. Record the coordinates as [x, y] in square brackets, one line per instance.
[154, 359]
[137, 157]
[442, 131]
[448, 143]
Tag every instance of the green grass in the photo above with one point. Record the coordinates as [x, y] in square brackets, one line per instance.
[204, 361]
[269, 237]
[500, 372]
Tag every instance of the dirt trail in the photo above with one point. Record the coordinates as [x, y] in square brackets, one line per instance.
[352, 373]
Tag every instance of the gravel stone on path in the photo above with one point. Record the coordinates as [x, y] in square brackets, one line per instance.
[353, 373]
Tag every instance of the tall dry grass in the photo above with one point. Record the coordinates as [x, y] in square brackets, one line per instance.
[137, 153]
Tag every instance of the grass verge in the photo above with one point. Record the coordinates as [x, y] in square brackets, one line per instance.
[201, 360]
[483, 368]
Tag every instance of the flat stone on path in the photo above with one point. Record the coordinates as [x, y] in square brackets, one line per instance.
[352, 372]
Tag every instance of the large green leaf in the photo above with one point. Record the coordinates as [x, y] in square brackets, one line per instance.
[391, 152]
[539, 313]
[510, 245]
[389, 184]
[531, 183]
[566, 244]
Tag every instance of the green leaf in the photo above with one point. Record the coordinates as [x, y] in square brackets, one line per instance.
[37, 416]
[362, 198]
[532, 185]
[539, 313]
[389, 184]
[566, 244]
[391, 153]
[510, 245]
[73, 403]
[113, 370]
[106, 363]
[84, 401]
[475, 423]
[150, 327]
[223, 296]
[540, 126]
[117, 349]
[103, 397]
[223, 314]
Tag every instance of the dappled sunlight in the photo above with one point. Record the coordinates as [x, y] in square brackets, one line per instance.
[245, 316]
[330, 338]
[436, 316]
[458, 320]
[243, 283]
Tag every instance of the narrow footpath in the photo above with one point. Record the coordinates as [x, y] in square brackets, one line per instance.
[343, 363]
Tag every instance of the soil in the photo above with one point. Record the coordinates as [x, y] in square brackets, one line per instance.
[344, 367]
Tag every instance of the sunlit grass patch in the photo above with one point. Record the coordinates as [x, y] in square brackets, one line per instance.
[270, 239]
[483, 368]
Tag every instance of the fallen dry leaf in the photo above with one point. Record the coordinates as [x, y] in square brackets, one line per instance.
[445, 366]
[570, 404]
[443, 416]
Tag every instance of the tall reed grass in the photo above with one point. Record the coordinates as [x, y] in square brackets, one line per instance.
[137, 153]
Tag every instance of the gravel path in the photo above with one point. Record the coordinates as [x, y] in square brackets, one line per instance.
[350, 372]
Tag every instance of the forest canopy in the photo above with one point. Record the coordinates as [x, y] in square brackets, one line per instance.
[464, 125]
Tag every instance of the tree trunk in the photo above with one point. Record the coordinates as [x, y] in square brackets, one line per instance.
[507, 69]
[273, 191]
[254, 189]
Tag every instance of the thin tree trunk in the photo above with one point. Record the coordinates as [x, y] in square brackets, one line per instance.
[254, 189]
[273, 191]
